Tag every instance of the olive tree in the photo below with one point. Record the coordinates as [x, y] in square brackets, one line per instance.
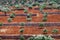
[12, 15]
[45, 31]
[9, 19]
[55, 31]
[5, 10]
[1, 23]
[22, 24]
[41, 25]
[22, 37]
[21, 31]
[41, 37]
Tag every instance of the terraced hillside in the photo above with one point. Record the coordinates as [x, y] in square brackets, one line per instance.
[30, 20]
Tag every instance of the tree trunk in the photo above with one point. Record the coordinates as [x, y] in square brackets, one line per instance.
[5, 13]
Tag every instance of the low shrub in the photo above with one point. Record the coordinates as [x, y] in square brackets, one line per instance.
[31, 38]
[30, 6]
[45, 30]
[21, 30]
[36, 4]
[17, 6]
[9, 19]
[42, 6]
[12, 15]
[41, 25]
[42, 37]
[5, 9]
[1, 24]
[51, 3]
[44, 19]
[55, 31]
[45, 14]
[29, 15]
[22, 24]
[58, 7]
[22, 37]
[28, 19]
[25, 11]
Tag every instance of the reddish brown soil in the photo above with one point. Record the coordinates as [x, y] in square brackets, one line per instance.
[50, 18]
[30, 30]
[3, 19]
[38, 18]
[1, 13]
[57, 39]
[51, 10]
[27, 30]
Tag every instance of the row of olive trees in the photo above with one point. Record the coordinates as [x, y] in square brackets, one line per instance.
[10, 2]
[57, 1]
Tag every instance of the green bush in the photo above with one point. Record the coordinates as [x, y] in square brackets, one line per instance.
[58, 7]
[22, 37]
[51, 3]
[25, 11]
[31, 38]
[36, 4]
[56, 1]
[21, 30]
[41, 24]
[55, 31]
[45, 14]
[49, 38]
[17, 6]
[42, 6]
[45, 30]
[30, 6]
[44, 19]
[42, 37]
[9, 19]
[29, 15]
[29, 19]
[1, 24]
[5, 9]
[22, 24]
[12, 15]
[23, 2]
[27, 4]
[30, 2]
